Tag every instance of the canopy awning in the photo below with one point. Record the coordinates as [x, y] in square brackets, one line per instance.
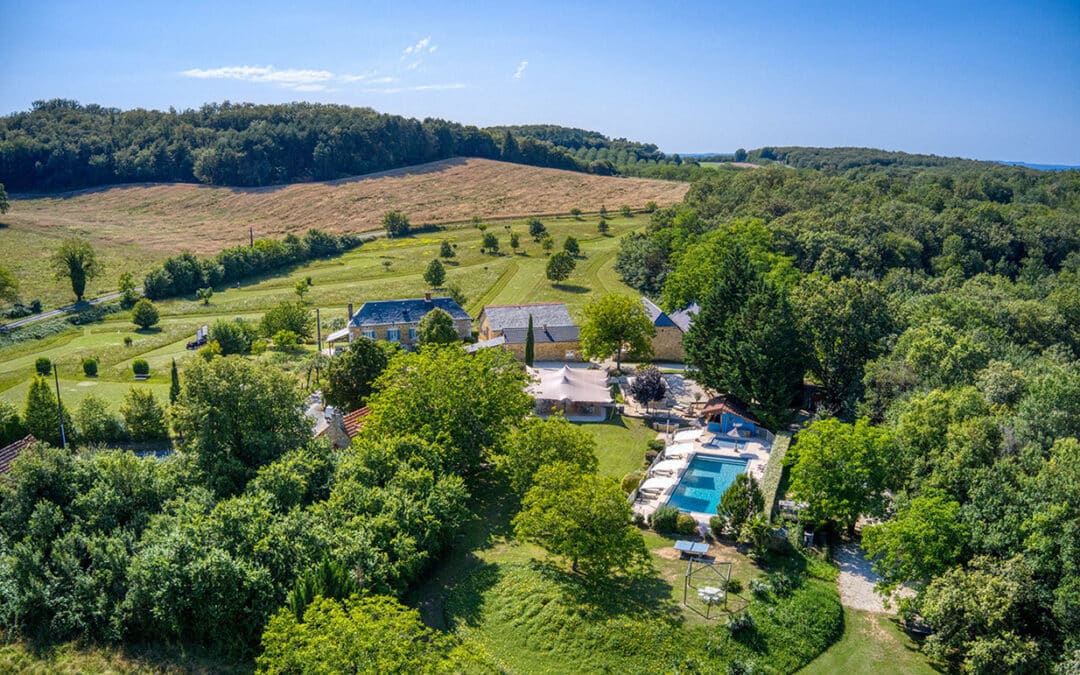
[575, 385]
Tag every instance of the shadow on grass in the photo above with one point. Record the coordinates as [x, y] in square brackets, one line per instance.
[604, 596]
[573, 288]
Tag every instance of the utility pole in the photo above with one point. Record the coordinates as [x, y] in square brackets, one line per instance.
[318, 345]
[59, 409]
[251, 236]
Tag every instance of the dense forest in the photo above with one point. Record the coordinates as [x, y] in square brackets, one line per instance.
[62, 145]
[936, 312]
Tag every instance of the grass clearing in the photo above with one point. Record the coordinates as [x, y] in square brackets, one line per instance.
[871, 643]
[136, 226]
[620, 444]
[358, 275]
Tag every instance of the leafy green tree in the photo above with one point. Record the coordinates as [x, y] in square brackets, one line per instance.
[923, 540]
[11, 425]
[76, 260]
[580, 516]
[144, 416]
[289, 316]
[371, 634]
[614, 323]
[844, 323]
[437, 327]
[530, 344]
[174, 383]
[842, 470]
[301, 288]
[96, 422]
[435, 274]
[41, 415]
[205, 294]
[536, 443]
[9, 285]
[490, 242]
[602, 227]
[740, 502]
[559, 266]
[625, 211]
[537, 230]
[395, 223]
[4, 205]
[350, 377]
[940, 354]
[235, 416]
[571, 246]
[144, 314]
[465, 420]
[446, 250]
[128, 293]
[454, 291]
[982, 617]
[575, 212]
[232, 337]
[547, 243]
[43, 366]
[515, 242]
[90, 366]
[744, 340]
[740, 155]
[642, 263]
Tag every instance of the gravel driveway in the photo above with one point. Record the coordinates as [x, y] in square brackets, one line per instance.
[857, 579]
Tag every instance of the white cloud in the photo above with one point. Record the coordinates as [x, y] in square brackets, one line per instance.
[290, 78]
[520, 70]
[419, 47]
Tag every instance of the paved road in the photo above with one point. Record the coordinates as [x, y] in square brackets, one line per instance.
[57, 312]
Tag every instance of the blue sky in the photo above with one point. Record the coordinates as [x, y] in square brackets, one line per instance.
[990, 80]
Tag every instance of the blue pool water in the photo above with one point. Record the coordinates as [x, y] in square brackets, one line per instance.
[704, 480]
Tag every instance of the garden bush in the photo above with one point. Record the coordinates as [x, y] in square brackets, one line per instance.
[685, 524]
[43, 366]
[737, 623]
[717, 526]
[655, 444]
[630, 481]
[733, 586]
[140, 367]
[90, 366]
[664, 519]
[650, 455]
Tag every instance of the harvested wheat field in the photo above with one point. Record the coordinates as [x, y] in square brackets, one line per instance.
[169, 218]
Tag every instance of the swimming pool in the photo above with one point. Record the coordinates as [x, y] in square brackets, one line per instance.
[704, 481]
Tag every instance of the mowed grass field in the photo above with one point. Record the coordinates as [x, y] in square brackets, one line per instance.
[377, 270]
[134, 227]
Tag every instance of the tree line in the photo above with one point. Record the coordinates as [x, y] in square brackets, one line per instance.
[63, 145]
[934, 312]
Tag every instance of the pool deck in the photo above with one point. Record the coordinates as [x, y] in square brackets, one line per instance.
[664, 474]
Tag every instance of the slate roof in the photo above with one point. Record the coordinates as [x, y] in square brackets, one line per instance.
[684, 317]
[485, 344]
[542, 335]
[502, 317]
[385, 312]
[659, 318]
[8, 453]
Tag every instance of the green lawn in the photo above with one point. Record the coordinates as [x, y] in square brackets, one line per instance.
[871, 643]
[620, 444]
[354, 277]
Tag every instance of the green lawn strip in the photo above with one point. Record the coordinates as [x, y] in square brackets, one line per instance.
[774, 470]
[871, 643]
[134, 659]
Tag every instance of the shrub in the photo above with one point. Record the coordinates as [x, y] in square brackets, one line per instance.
[571, 246]
[759, 588]
[536, 229]
[290, 316]
[664, 519]
[650, 455]
[128, 341]
[737, 623]
[145, 418]
[630, 481]
[144, 314]
[639, 520]
[651, 207]
[717, 526]
[140, 367]
[575, 212]
[742, 668]
[285, 339]
[685, 524]
[395, 223]
[626, 212]
[655, 444]
[90, 366]
[43, 366]
[233, 337]
[602, 227]
[733, 586]
[445, 250]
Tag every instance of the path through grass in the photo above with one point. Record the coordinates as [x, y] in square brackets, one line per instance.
[872, 643]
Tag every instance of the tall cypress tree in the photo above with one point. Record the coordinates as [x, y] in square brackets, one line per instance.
[41, 416]
[174, 387]
[529, 344]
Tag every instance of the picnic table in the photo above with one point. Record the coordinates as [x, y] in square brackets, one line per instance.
[691, 547]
